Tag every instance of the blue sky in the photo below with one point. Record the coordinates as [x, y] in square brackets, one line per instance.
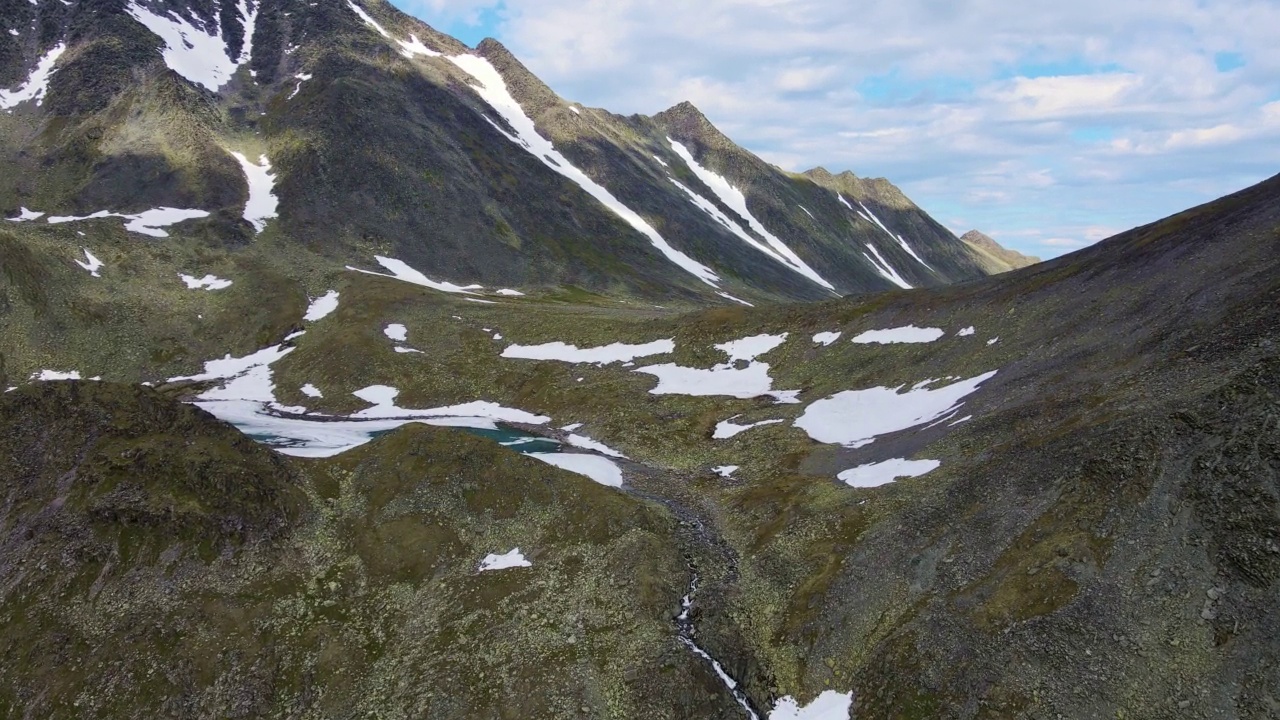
[1049, 127]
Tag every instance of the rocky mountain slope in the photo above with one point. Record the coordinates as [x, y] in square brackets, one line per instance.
[304, 468]
[995, 258]
[351, 130]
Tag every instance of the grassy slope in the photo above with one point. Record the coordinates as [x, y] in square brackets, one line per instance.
[359, 593]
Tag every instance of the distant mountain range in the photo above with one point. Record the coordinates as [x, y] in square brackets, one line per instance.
[369, 132]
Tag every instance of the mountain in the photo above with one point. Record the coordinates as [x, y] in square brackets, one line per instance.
[382, 136]
[291, 461]
[996, 258]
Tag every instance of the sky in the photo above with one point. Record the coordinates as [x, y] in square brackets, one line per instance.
[1048, 125]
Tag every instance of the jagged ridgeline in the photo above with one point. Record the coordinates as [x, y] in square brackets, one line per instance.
[346, 129]
[349, 371]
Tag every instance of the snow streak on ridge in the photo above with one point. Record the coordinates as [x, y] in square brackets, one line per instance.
[737, 201]
[491, 87]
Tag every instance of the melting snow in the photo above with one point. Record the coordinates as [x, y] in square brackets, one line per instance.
[571, 428]
[843, 201]
[604, 355]
[726, 429]
[92, 263]
[806, 212]
[883, 473]
[322, 307]
[493, 90]
[25, 215]
[602, 470]
[748, 382]
[262, 203]
[575, 110]
[907, 334]
[993, 341]
[396, 331]
[967, 332]
[857, 417]
[726, 471]
[736, 201]
[145, 223]
[586, 443]
[401, 271]
[661, 162]
[383, 397]
[311, 391]
[208, 282]
[249, 376]
[198, 55]
[826, 338]
[513, 559]
[50, 375]
[36, 85]
[886, 271]
[830, 705]
[510, 293]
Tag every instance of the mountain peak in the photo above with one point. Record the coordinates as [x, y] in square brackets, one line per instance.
[998, 257]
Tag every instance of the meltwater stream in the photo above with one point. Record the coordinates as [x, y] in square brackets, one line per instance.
[684, 624]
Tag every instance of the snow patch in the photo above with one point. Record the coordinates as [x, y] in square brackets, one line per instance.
[37, 83]
[604, 355]
[726, 471]
[886, 271]
[208, 282]
[726, 429]
[737, 201]
[369, 21]
[397, 332]
[512, 559]
[510, 293]
[993, 341]
[24, 215]
[311, 391]
[857, 417]
[493, 89]
[52, 375]
[601, 470]
[586, 443]
[262, 204]
[906, 334]
[144, 223]
[883, 473]
[199, 55]
[967, 332]
[740, 301]
[725, 379]
[91, 263]
[322, 307]
[830, 705]
[401, 271]
[413, 46]
[870, 216]
[826, 338]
